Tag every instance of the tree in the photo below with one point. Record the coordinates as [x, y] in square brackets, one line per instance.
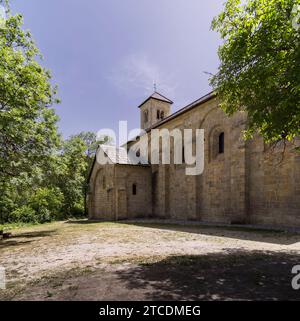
[91, 143]
[28, 132]
[72, 168]
[260, 65]
[42, 177]
[71, 177]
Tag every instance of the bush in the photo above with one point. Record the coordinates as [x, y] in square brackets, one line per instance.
[8, 202]
[23, 214]
[44, 215]
[78, 210]
[47, 202]
[43, 206]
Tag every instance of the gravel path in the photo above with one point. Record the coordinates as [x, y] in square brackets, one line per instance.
[77, 260]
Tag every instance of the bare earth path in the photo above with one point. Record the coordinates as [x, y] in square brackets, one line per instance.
[80, 260]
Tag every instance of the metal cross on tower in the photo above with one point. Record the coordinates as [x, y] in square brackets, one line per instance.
[155, 86]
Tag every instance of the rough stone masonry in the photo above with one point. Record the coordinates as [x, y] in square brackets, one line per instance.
[245, 182]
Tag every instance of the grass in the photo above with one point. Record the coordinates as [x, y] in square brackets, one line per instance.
[16, 226]
[84, 220]
[201, 226]
[19, 225]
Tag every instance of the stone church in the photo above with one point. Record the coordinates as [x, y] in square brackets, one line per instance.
[244, 182]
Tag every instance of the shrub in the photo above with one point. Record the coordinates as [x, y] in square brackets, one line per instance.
[23, 214]
[78, 210]
[44, 215]
[47, 202]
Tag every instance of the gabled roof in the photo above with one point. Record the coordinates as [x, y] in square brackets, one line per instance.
[183, 110]
[157, 96]
[118, 155]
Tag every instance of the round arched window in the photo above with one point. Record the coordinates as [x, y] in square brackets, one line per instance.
[146, 116]
[221, 143]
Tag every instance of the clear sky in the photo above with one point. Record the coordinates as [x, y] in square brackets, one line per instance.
[105, 54]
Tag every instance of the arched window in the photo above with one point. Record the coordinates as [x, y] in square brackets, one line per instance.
[146, 116]
[221, 143]
[158, 114]
[104, 182]
[134, 189]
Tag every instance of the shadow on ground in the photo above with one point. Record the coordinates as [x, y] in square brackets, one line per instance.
[235, 232]
[233, 276]
[83, 222]
[12, 243]
[24, 238]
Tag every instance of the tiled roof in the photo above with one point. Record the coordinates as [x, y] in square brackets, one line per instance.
[157, 96]
[185, 109]
[118, 155]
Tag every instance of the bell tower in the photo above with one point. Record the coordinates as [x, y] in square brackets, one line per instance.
[154, 109]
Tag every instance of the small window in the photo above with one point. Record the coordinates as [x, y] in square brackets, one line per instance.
[134, 189]
[158, 114]
[104, 182]
[162, 115]
[221, 143]
[146, 116]
[138, 153]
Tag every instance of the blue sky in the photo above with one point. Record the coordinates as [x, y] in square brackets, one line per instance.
[105, 54]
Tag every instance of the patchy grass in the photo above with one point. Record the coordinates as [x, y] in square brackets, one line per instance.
[15, 226]
[19, 225]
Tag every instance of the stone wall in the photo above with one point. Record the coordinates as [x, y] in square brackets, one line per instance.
[130, 205]
[151, 107]
[111, 192]
[102, 198]
[274, 184]
[243, 185]
[219, 194]
[246, 184]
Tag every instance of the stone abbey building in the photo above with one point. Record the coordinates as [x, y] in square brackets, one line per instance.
[243, 181]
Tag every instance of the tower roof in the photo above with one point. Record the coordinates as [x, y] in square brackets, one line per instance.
[157, 96]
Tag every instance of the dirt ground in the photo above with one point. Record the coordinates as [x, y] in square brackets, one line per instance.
[82, 260]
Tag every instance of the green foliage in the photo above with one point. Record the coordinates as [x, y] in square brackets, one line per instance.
[260, 69]
[23, 214]
[43, 206]
[55, 191]
[77, 155]
[42, 177]
[72, 182]
[92, 142]
[47, 203]
[28, 132]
